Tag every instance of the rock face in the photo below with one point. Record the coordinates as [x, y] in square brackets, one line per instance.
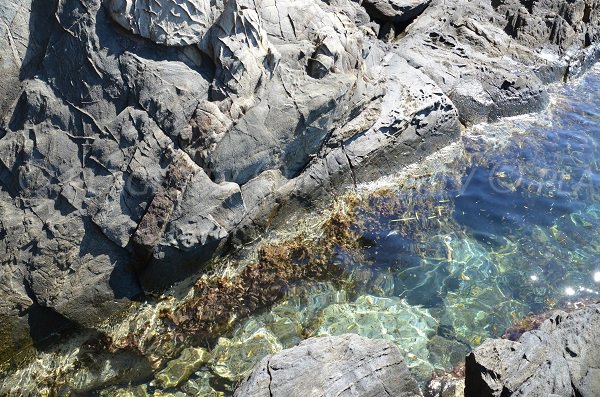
[173, 23]
[139, 137]
[560, 358]
[347, 365]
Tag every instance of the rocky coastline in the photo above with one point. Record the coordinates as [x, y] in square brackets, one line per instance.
[139, 139]
[559, 358]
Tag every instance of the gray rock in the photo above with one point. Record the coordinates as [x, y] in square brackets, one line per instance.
[347, 365]
[169, 22]
[559, 358]
[139, 137]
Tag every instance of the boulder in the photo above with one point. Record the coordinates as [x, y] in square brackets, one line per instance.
[346, 365]
[561, 358]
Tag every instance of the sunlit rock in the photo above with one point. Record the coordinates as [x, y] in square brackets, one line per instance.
[233, 359]
[169, 22]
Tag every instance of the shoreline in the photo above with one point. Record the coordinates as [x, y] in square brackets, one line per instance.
[133, 154]
[147, 342]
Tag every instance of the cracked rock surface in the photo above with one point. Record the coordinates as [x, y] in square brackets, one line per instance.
[346, 365]
[138, 138]
[560, 358]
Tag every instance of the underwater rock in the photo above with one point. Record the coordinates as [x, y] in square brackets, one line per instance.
[480, 312]
[333, 366]
[446, 353]
[478, 307]
[562, 358]
[234, 359]
[200, 386]
[181, 368]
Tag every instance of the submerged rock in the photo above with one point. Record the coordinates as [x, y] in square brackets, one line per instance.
[391, 319]
[342, 366]
[560, 358]
[233, 359]
[178, 370]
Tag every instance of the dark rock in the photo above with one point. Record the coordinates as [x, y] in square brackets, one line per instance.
[560, 358]
[347, 365]
[395, 10]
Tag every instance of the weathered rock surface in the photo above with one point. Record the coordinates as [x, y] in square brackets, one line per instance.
[139, 137]
[347, 365]
[169, 22]
[560, 358]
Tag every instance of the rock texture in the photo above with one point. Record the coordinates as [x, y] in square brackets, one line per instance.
[139, 137]
[347, 365]
[560, 358]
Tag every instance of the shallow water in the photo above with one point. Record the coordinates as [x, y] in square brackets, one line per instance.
[511, 228]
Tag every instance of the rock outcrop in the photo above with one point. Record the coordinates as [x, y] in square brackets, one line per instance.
[347, 365]
[139, 137]
[560, 358]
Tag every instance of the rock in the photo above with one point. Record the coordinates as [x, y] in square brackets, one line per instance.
[446, 353]
[561, 358]
[164, 22]
[385, 318]
[201, 386]
[341, 366]
[446, 388]
[234, 359]
[139, 138]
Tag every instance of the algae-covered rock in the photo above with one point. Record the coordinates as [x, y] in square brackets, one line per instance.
[182, 367]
